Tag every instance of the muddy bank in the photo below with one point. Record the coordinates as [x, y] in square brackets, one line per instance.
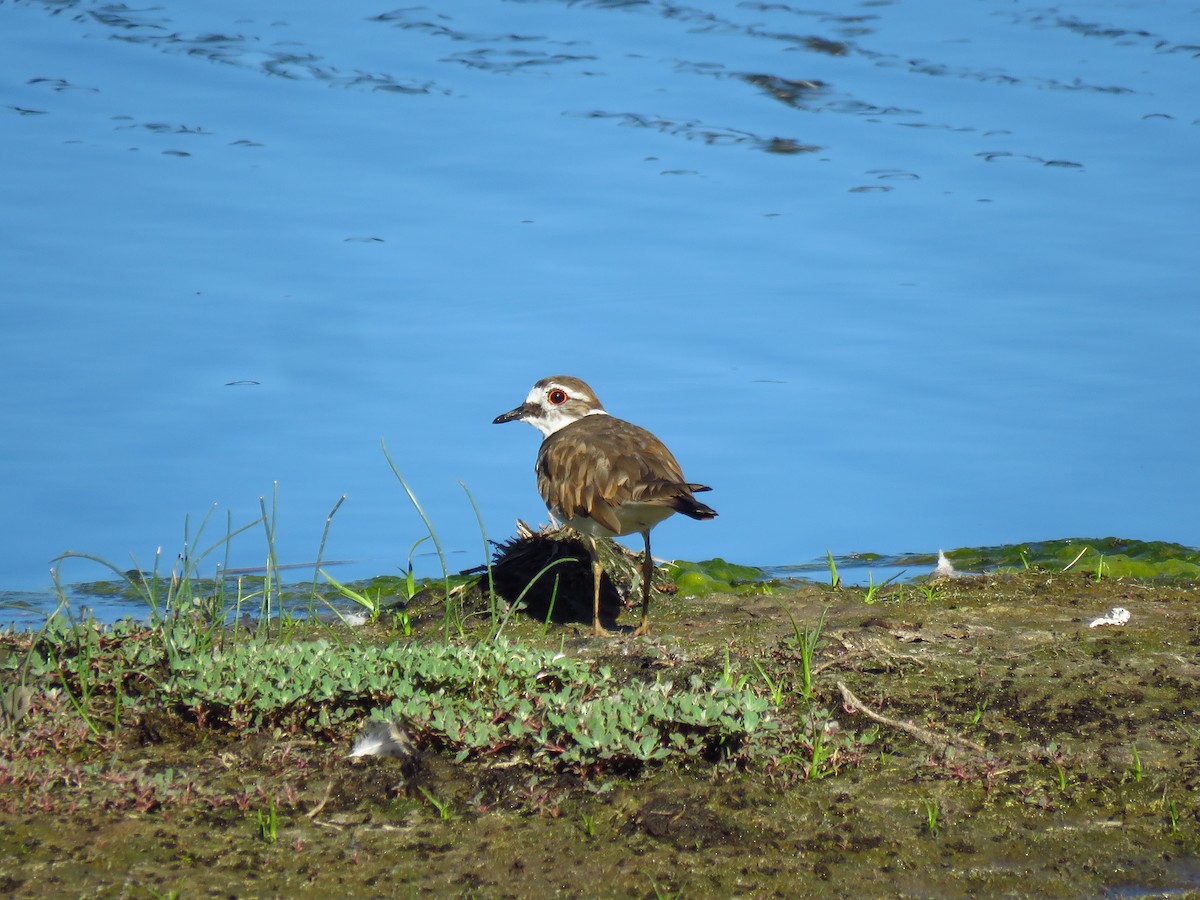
[974, 738]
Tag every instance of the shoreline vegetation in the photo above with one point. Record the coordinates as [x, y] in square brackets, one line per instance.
[1003, 732]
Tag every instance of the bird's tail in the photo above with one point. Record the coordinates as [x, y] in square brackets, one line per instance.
[690, 506]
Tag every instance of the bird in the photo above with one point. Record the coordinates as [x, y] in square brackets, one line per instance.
[603, 476]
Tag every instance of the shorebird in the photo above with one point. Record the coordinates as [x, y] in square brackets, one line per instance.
[603, 476]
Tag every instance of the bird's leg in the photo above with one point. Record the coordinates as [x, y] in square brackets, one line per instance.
[597, 570]
[647, 577]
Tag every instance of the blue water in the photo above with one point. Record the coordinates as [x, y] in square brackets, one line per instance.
[946, 297]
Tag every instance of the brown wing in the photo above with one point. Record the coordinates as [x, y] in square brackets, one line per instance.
[598, 463]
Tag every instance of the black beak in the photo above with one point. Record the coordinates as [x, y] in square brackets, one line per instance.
[512, 415]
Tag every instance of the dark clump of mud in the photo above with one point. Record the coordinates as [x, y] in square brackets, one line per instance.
[550, 575]
[975, 738]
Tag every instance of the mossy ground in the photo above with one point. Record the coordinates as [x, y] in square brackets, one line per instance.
[1087, 780]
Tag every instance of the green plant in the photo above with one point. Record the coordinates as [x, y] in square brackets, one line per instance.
[410, 581]
[1137, 762]
[119, 693]
[324, 540]
[807, 641]
[774, 685]
[933, 816]
[1054, 755]
[444, 807]
[404, 621]
[483, 700]
[822, 749]
[189, 611]
[588, 823]
[728, 679]
[1173, 815]
[268, 824]
[930, 590]
[453, 615]
[872, 588]
[271, 579]
[1100, 568]
[370, 605]
[487, 554]
[818, 763]
[979, 710]
[181, 595]
[82, 701]
[549, 606]
[835, 580]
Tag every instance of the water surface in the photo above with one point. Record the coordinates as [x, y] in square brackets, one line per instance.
[888, 276]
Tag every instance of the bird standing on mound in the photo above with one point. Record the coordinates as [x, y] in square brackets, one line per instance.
[603, 476]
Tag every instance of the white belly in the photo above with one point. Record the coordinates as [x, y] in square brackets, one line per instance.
[634, 518]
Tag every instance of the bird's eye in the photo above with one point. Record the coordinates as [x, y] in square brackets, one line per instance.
[557, 397]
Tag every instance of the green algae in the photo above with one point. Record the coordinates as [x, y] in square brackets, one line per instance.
[700, 579]
[1114, 557]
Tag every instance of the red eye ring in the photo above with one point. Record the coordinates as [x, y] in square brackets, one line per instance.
[557, 397]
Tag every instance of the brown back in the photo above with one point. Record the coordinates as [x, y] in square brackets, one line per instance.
[594, 465]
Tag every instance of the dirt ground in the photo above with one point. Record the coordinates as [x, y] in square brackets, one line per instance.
[981, 740]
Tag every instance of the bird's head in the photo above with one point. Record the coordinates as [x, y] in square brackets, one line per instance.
[554, 403]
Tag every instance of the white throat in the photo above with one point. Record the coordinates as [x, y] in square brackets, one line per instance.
[555, 418]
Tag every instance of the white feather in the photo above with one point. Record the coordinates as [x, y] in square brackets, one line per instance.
[382, 739]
